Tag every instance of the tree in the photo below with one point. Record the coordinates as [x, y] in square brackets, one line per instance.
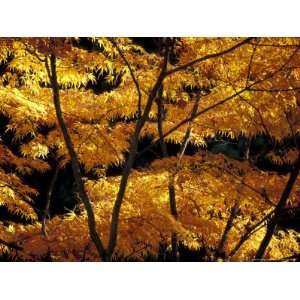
[202, 87]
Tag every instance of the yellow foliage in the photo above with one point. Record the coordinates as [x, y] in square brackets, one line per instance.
[249, 91]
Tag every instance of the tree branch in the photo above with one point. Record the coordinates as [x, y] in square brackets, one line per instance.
[233, 212]
[74, 159]
[250, 232]
[227, 99]
[132, 155]
[132, 75]
[250, 63]
[48, 200]
[278, 210]
[209, 56]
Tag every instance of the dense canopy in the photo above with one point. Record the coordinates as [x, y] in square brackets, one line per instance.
[172, 146]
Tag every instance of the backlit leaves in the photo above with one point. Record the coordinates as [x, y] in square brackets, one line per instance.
[249, 91]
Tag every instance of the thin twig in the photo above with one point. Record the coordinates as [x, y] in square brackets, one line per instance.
[209, 56]
[274, 90]
[250, 63]
[32, 52]
[276, 46]
[132, 75]
[225, 100]
[262, 193]
[132, 156]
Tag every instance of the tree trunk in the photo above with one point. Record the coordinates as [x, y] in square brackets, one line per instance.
[74, 159]
[132, 155]
[173, 208]
[233, 213]
[277, 212]
[48, 200]
[171, 183]
[249, 233]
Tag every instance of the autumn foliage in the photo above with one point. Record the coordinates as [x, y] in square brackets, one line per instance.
[183, 92]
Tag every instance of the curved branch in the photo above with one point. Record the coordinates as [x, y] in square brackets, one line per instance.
[132, 155]
[225, 100]
[74, 159]
[209, 56]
